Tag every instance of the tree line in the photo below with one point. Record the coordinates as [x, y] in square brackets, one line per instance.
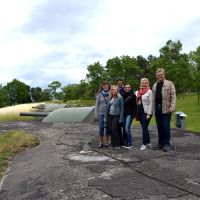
[181, 68]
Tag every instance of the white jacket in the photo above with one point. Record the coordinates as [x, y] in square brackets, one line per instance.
[147, 102]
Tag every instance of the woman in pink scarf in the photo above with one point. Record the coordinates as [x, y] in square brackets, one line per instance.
[144, 102]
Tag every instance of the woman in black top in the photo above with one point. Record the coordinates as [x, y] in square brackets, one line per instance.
[130, 109]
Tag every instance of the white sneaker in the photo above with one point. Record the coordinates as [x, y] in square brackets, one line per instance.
[128, 147]
[143, 147]
[149, 145]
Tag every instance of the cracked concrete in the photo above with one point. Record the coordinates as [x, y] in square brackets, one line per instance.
[68, 165]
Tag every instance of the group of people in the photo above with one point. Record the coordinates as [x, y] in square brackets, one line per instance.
[117, 106]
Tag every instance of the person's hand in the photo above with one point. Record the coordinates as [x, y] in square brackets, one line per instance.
[95, 115]
[148, 117]
[120, 123]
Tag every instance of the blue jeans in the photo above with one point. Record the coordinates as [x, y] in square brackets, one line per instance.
[127, 121]
[163, 126]
[102, 125]
[144, 123]
[145, 131]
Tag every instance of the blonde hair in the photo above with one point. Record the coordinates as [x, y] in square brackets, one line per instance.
[114, 87]
[160, 70]
[145, 79]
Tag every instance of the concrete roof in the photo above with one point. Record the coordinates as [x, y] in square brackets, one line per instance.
[71, 115]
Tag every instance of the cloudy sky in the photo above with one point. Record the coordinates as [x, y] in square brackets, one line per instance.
[55, 40]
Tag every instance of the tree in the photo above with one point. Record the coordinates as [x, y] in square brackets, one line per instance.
[45, 95]
[70, 92]
[18, 92]
[195, 62]
[176, 64]
[53, 87]
[36, 94]
[126, 68]
[95, 76]
[4, 101]
[76, 91]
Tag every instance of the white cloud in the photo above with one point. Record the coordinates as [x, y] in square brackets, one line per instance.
[43, 41]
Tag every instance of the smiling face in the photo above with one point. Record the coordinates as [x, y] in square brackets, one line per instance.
[114, 91]
[106, 87]
[127, 88]
[144, 84]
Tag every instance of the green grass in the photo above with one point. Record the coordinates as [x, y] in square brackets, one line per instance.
[188, 104]
[12, 143]
[80, 103]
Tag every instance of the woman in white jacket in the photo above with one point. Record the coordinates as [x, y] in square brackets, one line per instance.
[144, 102]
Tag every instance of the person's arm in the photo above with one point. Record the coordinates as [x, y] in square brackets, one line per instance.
[121, 101]
[150, 107]
[172, 98]
[97, 106]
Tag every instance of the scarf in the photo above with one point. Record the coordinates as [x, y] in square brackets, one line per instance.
[105, 93]
[126, 94]
[141, 92]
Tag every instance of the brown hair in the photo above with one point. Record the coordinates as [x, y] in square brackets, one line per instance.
[105, 83]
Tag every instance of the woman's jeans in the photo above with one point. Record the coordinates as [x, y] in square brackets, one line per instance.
[102, 125]
[144, 123]
[127, 121]
[113, 127]
[145, 131]
[163, 126]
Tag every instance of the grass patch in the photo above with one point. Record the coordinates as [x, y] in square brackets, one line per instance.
[188, 104]
[12, 113]
[77, 103]
[12, 143]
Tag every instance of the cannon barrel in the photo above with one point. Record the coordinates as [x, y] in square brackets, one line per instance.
[37, 114]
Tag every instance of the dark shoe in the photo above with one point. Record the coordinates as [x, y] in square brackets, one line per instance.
[100, 146]
[157, 147]
[166, 148]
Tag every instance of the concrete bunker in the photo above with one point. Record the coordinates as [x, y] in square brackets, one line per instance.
[71, 115]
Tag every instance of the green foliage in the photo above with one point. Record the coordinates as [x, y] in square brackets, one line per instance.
[126, 68]
[182, 69]
[4, 101]
[18, 92]
[38, 95]
[76, 91]
[195, 60]
[177, 65]
[188, 104]
[77, 103]
[53, 88]
[95, 77]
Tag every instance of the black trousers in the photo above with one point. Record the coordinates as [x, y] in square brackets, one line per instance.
[113, 127]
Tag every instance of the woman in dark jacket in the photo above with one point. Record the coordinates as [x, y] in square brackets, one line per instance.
[130, 109]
